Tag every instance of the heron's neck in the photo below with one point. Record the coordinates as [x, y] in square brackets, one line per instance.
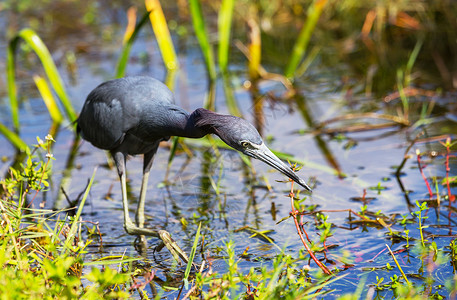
[190, 126]
[200, 123]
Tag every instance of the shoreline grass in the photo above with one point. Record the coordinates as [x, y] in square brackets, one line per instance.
[43, 251]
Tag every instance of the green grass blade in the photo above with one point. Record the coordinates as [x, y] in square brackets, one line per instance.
[192, 256]
[225, 25]
[34, 235]
[307, 62]
[401, 91]
[313, 14]
[124, 58]
[412, 60]
[202, 36]
[74, 225]
[210, 98]
[160, 27]
[174, 146]
[12, 90]
[48, 99]
[398, 265]
[13, 138]
[110, 261]
[318, 289]
[34, 41]
[232, 105]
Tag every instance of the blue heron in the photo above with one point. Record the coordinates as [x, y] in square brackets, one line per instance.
[132, 115]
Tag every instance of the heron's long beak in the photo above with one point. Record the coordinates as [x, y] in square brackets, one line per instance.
[264, 154]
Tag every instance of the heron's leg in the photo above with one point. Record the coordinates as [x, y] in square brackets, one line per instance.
[147, 164]
[131, 228]
[140, 210]
[119, 159]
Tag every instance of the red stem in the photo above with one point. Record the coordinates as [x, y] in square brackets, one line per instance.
[423, 175]
[294, 215]
[325, 249]
[448, 169]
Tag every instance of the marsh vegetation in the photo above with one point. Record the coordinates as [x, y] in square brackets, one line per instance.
[358, 96]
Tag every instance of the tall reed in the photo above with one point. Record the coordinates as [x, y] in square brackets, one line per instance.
[129, 39]
[34, 41]
[160, 27]
[301, 45]
[202, 36]
[224, 26]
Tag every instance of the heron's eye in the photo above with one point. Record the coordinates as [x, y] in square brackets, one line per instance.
[245, 144]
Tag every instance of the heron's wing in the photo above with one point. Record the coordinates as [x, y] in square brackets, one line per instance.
[118, 106]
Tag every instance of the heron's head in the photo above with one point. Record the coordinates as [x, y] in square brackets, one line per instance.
[242, 136]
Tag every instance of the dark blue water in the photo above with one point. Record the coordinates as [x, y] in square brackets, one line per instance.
[189, 194]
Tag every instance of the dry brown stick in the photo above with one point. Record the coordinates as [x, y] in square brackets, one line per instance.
[355, 128]
[410, 92]
[370, 115]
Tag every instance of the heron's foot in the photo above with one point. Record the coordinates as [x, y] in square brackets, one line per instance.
[171, 245]
[132, 229]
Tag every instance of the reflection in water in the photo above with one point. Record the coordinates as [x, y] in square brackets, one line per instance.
[257, 107]
[322, 145]
[224, 201]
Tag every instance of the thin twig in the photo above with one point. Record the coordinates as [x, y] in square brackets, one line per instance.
[406, 156]
[356, 128]
[370, 115]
